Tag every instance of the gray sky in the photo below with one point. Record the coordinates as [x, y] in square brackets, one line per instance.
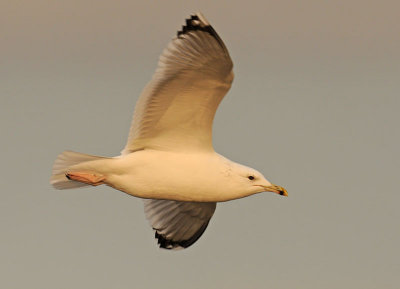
[314, 106]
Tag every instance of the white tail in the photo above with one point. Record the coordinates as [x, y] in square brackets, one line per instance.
[64, 161]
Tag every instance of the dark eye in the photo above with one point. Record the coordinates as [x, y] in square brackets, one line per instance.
[251, 178]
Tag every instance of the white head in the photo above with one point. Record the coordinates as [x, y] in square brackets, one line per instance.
[245, 181]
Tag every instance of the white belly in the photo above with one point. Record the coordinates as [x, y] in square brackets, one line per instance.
[170, 175]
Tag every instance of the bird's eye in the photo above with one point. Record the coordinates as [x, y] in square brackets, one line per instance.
[251, 178]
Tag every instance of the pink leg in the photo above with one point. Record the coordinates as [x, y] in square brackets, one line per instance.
[87, 178]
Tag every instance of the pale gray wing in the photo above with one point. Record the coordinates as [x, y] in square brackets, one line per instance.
[176, 109]
[178, 224]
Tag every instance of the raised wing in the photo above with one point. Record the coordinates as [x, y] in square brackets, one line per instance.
[178, 224]
[176, 109]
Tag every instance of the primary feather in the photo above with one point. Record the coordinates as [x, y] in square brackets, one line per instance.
[176, 109]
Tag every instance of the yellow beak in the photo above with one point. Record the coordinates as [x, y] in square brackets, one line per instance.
[276, 189]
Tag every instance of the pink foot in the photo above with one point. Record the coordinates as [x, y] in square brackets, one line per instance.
[87, 178]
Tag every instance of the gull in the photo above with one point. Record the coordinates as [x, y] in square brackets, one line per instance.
[169, 160]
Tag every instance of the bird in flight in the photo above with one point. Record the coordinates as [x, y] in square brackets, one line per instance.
[169, 160]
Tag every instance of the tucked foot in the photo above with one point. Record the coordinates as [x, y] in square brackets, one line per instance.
[87, 178]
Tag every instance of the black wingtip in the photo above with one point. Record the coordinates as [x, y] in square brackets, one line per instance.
[193, 24]
[197, 22]
[169, 244]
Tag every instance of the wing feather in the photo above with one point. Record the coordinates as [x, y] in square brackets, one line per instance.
[178, 224]
[176, 108]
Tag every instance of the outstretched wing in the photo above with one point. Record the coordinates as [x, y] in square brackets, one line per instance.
[178, 224]
[176, 109]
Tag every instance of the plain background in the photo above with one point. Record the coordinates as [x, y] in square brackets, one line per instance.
[314, 106]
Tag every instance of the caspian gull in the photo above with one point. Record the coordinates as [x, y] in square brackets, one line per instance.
[169, 160]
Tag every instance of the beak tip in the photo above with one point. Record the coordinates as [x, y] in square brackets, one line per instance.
[277, 190]
[281, 191]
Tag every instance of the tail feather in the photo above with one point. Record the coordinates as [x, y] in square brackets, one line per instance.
[61, 165]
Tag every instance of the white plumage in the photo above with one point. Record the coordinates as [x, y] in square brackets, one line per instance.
[177, 107]
[169, 160]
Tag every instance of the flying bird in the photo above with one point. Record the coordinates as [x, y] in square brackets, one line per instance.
[169, 160]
